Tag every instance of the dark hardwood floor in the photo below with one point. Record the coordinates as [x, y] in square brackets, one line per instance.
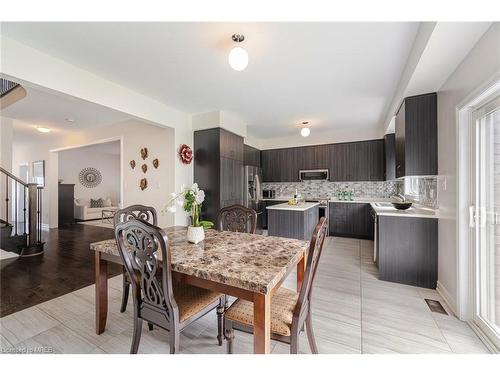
[66, 265]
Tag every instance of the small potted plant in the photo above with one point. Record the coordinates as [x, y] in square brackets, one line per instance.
[191, 199]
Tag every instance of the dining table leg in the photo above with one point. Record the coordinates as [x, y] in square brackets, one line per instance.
[301, 269]
[101, 293]
[262, 323]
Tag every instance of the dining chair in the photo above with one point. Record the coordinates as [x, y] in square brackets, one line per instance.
[289, 310]
[158, 299]
[137, 211]
[237, 218]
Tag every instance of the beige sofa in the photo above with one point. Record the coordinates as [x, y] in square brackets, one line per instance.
[83, 211]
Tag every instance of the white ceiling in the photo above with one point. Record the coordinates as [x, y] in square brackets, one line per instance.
[44, 109]
[107, 148]
[338, 76]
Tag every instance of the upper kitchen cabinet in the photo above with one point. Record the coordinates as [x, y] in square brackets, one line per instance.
[218, 169]
[390, 156]
[416, 136]
[231, 145]
[281, 165]
[251, 156]
[355, 161]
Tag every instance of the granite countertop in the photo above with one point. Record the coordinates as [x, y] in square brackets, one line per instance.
[415, 210]
[290, 207]
[249, 261]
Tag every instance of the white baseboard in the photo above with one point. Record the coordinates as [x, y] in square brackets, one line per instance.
[485, 339]
[450, 301]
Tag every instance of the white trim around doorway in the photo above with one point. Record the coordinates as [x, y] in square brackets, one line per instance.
[55, 152]
[465, 168]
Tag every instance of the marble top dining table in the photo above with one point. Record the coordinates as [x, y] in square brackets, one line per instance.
[248, 266]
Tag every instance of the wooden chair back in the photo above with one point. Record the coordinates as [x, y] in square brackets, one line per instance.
[137, 211]
[313, 256]
[139, 244]
[237, 218]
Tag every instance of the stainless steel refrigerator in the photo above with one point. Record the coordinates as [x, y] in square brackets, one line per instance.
[252, 192]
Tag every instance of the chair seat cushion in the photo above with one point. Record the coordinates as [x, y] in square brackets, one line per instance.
[282, 305]
[191, 299]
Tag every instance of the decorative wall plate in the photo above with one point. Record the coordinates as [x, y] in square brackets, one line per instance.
[144, 153]
[132, 164]
[90, 177]
[144, 168]
[185, 154]
[144, 184]
[156, 163]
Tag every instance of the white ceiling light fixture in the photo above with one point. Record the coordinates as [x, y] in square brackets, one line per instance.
[238, 57]
[305, 131]
[43, 130]
[70, 119]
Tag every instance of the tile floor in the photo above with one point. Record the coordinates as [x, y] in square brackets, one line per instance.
[354, 312]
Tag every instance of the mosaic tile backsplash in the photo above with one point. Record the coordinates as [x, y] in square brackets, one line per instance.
[422, 190]
[312, 189]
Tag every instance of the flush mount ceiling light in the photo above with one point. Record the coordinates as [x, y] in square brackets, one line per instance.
[70, 119]
[305, 131]
[238, 57]
[43, 130]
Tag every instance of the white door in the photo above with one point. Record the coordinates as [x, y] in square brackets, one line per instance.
[485, 219]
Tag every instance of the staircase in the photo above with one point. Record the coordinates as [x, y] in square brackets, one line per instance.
[25, 239]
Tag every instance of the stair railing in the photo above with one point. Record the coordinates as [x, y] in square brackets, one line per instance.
[32, 207]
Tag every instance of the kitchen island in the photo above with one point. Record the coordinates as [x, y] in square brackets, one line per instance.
[292, 221]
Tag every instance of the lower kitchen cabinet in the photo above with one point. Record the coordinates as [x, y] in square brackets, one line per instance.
[268, 203]
[407, 250]
[350, 220]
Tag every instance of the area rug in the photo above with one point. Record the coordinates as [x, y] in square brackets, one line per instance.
[96, 223]
[7, 255]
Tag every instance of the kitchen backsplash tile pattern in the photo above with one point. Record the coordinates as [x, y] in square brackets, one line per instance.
[313, 189]
[422, 190]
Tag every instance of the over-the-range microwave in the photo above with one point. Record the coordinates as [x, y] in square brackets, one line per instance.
[313, 175]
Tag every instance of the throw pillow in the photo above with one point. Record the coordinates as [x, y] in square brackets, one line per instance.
[96, 203]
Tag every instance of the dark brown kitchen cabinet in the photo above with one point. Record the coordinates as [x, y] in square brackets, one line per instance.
[390, 156]
[218, 169]
[281, 165]
[268, 203]
[66, 201]
[416, 136]
[365, 161]
[251, 156]
[231, 145]
[408, 250]
[350, 220]
[337, 161]
[354, 161]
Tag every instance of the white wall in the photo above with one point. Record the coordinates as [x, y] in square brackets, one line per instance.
[219, 119]
[105, 158]
[479, 66]
[5, 157]
[35, 68]
[134, 136]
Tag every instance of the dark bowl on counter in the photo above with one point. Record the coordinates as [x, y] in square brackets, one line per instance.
[402, 205]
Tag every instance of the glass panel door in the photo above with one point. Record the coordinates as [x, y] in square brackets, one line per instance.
[487, 220]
